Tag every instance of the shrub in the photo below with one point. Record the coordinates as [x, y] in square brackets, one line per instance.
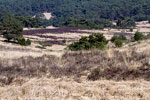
[114, 38]
[94, 41]
[97, 38]
[22, 41]
[118, 43]
[28, 42]
[100, 45]
[138, 36]
[120, 37]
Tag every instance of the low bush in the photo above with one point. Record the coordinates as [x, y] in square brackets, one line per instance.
[138, 36]
[28, 42]
[22, 41]
[118, 43]
[120, 37]
[94, 41]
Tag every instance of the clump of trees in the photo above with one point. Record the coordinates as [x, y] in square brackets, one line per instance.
[98, 41]
[26, 21]
[12, 29]
[94, 41]
[122, 22]
[29, 22]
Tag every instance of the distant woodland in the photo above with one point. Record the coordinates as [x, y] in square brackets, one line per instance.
[74, 10]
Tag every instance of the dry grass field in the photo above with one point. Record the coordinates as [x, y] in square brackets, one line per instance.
[54, 73]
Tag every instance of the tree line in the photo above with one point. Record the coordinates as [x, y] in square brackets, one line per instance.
[87, 9]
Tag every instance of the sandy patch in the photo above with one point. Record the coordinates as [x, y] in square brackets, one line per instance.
[47, 15]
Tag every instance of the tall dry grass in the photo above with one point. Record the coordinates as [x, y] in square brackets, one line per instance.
[83, 75]
[94, 65]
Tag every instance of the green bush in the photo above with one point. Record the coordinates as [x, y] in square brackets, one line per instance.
[118, 43]
[94, 41]
[114, 38]
[28, 42]
[100, 45]
[138, 36]
[120, 37]
[22, 41]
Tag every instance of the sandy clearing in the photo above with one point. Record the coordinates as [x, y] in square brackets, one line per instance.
[47, 15]
[51, 27]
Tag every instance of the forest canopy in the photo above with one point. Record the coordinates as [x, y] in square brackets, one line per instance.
[86, 9]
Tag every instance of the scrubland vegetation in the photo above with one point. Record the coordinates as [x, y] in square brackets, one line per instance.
[125, 65]
[12, 29]
[104, 55]
[98, 41]
[90, 67]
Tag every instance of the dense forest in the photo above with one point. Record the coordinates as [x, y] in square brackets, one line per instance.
[85, 9]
